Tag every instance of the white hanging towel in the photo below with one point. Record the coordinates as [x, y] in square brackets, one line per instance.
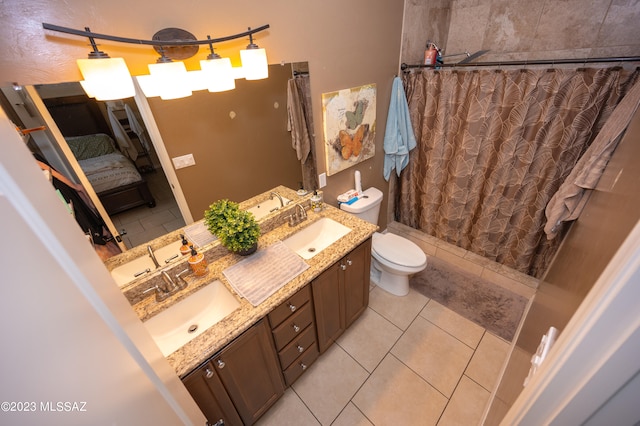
[125, 144]
[399, 138]
[135, 126]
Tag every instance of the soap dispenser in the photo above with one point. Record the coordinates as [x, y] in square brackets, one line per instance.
[197, 263]
[316, 201]
[185, 249]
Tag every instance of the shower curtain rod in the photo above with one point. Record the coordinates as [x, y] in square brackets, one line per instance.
[405, 67]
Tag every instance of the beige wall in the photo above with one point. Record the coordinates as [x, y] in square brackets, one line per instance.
[521, 30]
[347, 44]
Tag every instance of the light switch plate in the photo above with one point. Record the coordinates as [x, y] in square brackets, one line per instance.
[183, 161]
[322, 180]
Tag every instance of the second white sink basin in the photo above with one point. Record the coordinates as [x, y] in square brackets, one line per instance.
[142, 265]
[316, 237]
[190, 317]
[128, 272]
[266, 207]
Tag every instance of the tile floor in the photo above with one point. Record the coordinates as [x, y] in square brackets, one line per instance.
[142, 223]
[406, 360]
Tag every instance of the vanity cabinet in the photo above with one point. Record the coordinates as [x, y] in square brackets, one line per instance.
[341, 294]
[294, 334]
[207, 390]
[240, 382]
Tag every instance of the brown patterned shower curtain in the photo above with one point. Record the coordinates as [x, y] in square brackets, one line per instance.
[493, 147]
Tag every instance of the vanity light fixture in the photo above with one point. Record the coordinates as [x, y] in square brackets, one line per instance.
[105, 78]
[109, 79]
[168, 79]
[254, 61]
[217, 72]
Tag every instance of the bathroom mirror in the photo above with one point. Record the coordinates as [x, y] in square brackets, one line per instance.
[238, 139]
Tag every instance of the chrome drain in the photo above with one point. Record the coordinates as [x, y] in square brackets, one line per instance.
[193, 328]
[311, 249]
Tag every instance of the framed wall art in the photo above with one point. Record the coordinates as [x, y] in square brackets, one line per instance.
[349, 126]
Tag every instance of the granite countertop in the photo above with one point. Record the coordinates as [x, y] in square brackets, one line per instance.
[198, 350]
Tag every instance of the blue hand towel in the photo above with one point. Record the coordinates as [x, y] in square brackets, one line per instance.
[398, 136]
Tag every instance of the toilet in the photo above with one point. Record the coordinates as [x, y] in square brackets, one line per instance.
[393, 258]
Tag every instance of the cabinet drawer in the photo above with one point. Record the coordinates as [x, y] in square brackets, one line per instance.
[296, 369]
[297, 346]
[292, 326]
[289, 306]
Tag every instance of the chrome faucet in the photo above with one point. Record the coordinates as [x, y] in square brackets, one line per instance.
[303, 212]
[279, 198]
[298, 215]
[169, 287]
[153, 256]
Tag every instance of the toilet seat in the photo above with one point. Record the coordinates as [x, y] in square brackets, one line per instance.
[398, 250]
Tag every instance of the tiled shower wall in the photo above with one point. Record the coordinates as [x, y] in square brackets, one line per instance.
[522, 29]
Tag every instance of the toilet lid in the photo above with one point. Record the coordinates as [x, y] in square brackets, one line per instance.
[398, 250]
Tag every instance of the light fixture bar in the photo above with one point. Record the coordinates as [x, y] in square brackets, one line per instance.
[90, 34]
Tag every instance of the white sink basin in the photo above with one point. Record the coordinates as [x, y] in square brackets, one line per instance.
[130, 271]
[316, 237]
[266, 207]
[143, 265]
[190, 317]
[168, 253]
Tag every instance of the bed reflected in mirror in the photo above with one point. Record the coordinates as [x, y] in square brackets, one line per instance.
[112, 147]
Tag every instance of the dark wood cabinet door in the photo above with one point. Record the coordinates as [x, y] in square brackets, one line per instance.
[207, 390]
[356, 281]
[250, 372]
[328, 306]
[341, 294]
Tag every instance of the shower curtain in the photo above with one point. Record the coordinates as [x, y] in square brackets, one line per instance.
[493, 148]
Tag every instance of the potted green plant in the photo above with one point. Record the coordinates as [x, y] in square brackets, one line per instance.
[218, 214]
[237, 229]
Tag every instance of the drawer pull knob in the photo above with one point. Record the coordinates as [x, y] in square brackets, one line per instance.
[208, 373]
[349, 262]
[296, 328]
[221, 363]
[300, 349]
[343, 266]
[303, 366]
[292, 307]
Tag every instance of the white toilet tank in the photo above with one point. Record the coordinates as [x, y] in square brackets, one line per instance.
[367, 206]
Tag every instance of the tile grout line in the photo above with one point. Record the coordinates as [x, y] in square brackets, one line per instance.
[459, 380]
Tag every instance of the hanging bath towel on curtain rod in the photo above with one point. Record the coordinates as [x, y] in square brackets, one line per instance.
[567, 203]
[399, 138]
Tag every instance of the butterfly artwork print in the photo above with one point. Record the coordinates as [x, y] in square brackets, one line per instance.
[349, 126]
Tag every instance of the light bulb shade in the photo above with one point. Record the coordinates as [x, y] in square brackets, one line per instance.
[106, 79]
[218, 74]
[148, 86]
[237, 72]
[254, 64]
[197, 80]
[171, 80]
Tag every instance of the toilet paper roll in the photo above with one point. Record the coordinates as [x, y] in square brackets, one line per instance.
[358, 182]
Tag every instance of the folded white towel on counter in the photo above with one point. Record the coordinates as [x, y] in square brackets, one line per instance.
[266, 271]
